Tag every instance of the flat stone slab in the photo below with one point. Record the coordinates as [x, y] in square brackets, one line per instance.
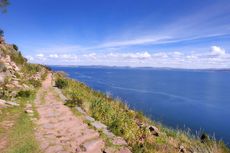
[91, 145]
[81, 110]
[108, 133]
[119, 141]
[62, 97]
[88, 118]
[3, 102]
[99, 125]
[12, 103]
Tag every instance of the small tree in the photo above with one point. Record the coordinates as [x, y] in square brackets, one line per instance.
[1, 36]
[1, 33]
[3, 5]
[61, 83]
[15, 47]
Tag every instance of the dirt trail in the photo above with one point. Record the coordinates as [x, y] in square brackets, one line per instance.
[59, 131]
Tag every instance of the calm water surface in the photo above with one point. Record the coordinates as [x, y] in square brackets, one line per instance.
[199, 100]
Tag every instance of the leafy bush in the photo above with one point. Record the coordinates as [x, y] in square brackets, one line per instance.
[35, 83]
[1, 33]
[74, 101]
[61, 83]
[15, 47]
[24, 93]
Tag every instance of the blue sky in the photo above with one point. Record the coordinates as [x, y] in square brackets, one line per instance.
[157, 33]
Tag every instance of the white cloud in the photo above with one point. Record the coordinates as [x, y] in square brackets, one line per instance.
[40, 55]
[217, 51]
[91, 56]
[129, 56]
[217, 57]
[53, 56]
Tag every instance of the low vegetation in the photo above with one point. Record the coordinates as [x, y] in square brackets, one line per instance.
[35, 83]
[133, 126]
[20, 136]
[60, 83]
[24, 94]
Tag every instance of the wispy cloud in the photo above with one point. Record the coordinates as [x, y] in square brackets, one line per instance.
[206, 23]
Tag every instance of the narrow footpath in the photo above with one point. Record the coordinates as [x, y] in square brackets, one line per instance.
[58, 130]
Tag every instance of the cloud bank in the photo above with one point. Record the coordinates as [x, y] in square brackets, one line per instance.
[216, 57]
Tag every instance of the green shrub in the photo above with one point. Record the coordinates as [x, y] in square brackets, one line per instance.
[15, 47]
[61, 83]
[35, 83]
[74, 101]
[1, 33]
[24, 93]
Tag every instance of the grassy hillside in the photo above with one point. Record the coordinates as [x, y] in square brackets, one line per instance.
[16, 74]
[19, 81]
[141, 133]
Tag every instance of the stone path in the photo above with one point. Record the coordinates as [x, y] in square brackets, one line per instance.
[59, 131]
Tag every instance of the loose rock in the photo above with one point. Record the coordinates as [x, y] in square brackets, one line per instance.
[154, 130]
[182, 149]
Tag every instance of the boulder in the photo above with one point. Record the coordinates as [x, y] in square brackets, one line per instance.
[182, 149]
[204, 137]
[154, 130]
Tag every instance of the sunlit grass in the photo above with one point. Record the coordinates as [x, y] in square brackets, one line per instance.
[21, 137]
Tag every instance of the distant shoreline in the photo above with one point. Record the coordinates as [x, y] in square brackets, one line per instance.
[148, 68]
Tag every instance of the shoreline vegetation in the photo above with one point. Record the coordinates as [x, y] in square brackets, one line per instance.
[141, 133]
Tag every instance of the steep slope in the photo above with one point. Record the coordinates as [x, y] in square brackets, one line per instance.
[16, 74]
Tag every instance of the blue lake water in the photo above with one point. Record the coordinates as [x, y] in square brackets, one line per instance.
[199, 100]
